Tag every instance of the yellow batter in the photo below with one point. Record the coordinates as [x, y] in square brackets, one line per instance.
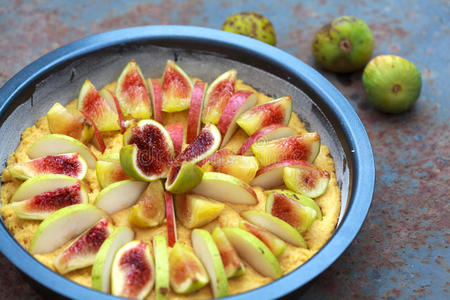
[316, 236]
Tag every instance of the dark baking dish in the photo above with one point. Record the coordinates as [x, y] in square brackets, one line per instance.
[203, 53]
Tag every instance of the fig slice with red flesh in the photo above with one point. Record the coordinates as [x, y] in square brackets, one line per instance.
[276, 111]
[240, 102]
[217, 96]
[170, 219]
[176, 132]
[148, 151]
[41, 184]
[69, 121]
[292, 212]
[111, 98]
[81, 252]
[271, 175]
[70, 164]
[269, 133]
[176, 88]
[154, 87]
[132, 92]
[307, 180]
[204, 145]
[301, 147]
[231, 262]
[187, 273]
[195, 110]
[276, 245]
[132, 271]
[93, 105]
[44, 204]
[149, 211]
[97, 141]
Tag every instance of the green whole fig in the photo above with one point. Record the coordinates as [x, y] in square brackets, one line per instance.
[251, 24]
[344, 45]
[392, 83]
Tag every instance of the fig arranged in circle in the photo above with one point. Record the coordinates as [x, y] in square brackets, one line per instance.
[81, 252]
[132, 271]
[217, 96]
[132, 92]
[183, 178]
[148, 151]
[70, 164]
[176, 88]
[344, 45]
[204, 145]
[392, 83]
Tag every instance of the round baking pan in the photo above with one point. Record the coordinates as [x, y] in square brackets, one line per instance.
[202, 53]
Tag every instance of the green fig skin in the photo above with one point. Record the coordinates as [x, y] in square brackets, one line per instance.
[344, 45]
[392, 83]
[251, 24]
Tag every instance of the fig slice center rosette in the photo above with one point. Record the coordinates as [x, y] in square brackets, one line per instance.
[148, 151]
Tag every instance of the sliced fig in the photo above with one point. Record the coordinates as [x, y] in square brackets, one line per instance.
[307, 180]
[108, 170]
[276, 111]
[149, 211]
[217, 96]
[292, 212]
[176, 88]
[93, 105]
[132, 271]
[195, 110]
[149, 151]
[112, 100]
[187, 273]
[176, 132]
[154, 87]
[231, 262]
[301, 147]
[70, 164]
[204, 145]
[183, 178]
[41, 184]
[271, 175]
[269, 133]
[81, 252]
[44, 204]
[132, 92]
[69, 121]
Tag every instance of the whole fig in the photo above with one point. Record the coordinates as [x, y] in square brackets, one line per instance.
[251, 24]
[344, 45]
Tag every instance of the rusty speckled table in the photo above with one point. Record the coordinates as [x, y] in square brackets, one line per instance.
[402, 250]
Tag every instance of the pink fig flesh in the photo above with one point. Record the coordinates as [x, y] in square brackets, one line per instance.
[153, 155]
[53, 200]
[138, 270]
[65, 164]
[82, 251]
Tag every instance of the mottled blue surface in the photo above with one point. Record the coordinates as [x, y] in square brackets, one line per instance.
[402, 250]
